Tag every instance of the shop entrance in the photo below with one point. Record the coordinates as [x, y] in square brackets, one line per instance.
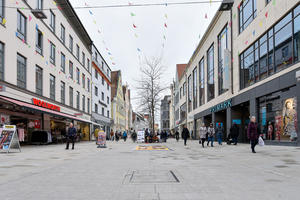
[207, 120]
[240, 114]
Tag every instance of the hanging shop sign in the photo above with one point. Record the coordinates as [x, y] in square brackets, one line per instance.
[9, 138]
[45, 104]
[222, 106]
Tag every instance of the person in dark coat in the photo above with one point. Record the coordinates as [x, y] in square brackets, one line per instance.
[185, 134]
[252, 133]
[177, 135]
[234, 133]
[71, 136]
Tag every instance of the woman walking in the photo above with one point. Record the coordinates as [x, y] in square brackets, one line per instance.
[211, 134]
[252, 133]
[203, 131]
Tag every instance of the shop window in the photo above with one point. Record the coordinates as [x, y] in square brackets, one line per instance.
[222, 72]
[201, 83]
[297, 37]
[271, 52]
[247, 67]
[21, 26]
[210, 74]
[39, 42]
[83, 103]
[77, 100]
[71, 70]
[247, 13]
[52, 21]
[88, 105]
[1, 61]
[62, 33]
[195, 85]
[39, 80]
[52, 87]
[52, 53]
[21, 71]
[62, 92]
[63, 62]
[189, 93]
[71, 96]
[71, 43]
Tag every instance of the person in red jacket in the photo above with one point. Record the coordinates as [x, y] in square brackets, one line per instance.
[252, 133]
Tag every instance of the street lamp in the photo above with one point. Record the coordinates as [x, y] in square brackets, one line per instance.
[226, 5]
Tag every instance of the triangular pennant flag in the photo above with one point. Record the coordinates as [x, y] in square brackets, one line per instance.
[164, 37]
[90, 12]
[138, 49]
[166, 16]
[4, 21]
[134, 26]
[113, 63]
[166, 25]
[135, 35]
[29, 18]
[266, 14]
[132, 14]
[205, 16]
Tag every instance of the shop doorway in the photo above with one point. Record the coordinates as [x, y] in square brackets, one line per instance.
[207, 120]
[220, 120]
[240, 114]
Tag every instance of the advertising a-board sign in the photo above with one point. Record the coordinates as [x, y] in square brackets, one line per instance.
[9, 138]
[141, 136]
[101, 140]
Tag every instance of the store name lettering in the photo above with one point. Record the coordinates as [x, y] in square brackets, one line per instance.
[221, 106]
[44, 104]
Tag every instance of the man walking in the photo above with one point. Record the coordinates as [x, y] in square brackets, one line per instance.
[71, 136]
[203, 131]
[185, 134]
[211, 134]
[234, 132]
[220, 131]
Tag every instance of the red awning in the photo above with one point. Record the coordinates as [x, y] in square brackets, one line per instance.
[28, 105]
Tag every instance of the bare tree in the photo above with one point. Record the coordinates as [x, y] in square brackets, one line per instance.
[150, 88]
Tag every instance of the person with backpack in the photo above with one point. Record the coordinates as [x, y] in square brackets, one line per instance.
[234, 133]
[210, 135]
[177, 135]
[124, 136]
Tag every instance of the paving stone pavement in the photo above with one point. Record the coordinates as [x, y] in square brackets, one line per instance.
[122, 172]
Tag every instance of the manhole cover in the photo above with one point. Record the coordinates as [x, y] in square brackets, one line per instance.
[152, 176]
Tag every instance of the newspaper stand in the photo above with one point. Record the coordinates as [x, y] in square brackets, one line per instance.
[9, 139]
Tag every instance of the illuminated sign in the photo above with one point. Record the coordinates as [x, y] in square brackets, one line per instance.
[45, 104]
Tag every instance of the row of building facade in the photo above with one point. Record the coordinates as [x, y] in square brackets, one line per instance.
[246, 64]
[51, 73]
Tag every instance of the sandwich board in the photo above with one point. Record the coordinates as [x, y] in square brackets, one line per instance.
[101, 140]
[141, 136]
[9, 139]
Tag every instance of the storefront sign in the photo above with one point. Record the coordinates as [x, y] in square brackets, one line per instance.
[222, 106]
[44, 104]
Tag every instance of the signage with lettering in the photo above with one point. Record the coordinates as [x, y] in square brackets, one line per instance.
[45, 104]
[9, 138]
[222, 106]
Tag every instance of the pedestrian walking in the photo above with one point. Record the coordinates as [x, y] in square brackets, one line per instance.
[210, 135]
[124, 136]
[203, 132]
[252, 133]
[117, 136]
[112, 135]
[220, 132]
[133, 136]
[177, 135]
[71, 136]
[185, 134]
[234, 133]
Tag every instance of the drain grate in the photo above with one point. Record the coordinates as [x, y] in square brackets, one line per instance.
[152, 176]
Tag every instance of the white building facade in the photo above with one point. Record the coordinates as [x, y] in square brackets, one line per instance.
[101, 92]
[45, 68]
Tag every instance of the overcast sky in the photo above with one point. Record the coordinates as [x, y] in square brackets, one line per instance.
[184, 25]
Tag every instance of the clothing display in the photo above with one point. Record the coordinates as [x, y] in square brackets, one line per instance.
[21, 134]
